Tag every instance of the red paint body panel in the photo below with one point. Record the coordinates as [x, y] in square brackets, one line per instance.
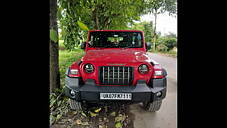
[132, 57]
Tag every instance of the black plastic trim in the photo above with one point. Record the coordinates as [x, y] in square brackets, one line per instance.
[140, 93]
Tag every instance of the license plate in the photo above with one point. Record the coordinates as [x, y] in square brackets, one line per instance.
[115, 96]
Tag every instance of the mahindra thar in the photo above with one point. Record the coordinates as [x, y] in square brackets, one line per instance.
[116, 68]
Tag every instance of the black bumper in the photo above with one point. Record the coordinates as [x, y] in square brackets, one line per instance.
[91, 93]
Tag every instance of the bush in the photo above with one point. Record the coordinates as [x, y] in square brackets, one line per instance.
[162, 48]
[166, 43]
[170, 43]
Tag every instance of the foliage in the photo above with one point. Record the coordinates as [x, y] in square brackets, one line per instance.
[68, 15]
[96, 14]
[171, 35]
[59, 105]
[53, 35]
[82, 26]
[157, 7]
[66, 58]
[171, 43]
[146, 27]
[166, 43]
[162, 48]
[161, 6]
[61, 44]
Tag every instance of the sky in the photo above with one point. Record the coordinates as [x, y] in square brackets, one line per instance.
[165, 23]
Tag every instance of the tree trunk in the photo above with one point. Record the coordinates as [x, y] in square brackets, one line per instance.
[96, 19]
[53, 47]
[154, 41]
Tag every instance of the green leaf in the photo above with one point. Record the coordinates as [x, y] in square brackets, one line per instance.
[118, 125]
[93, 114]
[82, 26]
[53, 35]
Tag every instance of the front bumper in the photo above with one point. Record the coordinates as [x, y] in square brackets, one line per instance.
[91, 93]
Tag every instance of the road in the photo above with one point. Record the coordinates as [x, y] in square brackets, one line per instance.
[166, 117]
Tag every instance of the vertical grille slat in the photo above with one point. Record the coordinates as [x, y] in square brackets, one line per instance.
[118, 74]
[128, 75]
[108, 75]
[103, 80]
[115, 75]
[123, 74]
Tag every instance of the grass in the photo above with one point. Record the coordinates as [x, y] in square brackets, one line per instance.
[170, 53]
[61, 45]
[66, 58]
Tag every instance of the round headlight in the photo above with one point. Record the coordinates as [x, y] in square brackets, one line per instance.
[89, 68]
[143, 69]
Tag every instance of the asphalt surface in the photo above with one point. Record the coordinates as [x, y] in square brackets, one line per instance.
[166, 117]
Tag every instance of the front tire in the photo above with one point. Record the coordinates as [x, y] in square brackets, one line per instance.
[152, 106]
[75, 105]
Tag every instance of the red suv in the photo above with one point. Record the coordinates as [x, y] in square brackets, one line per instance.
[116, 67]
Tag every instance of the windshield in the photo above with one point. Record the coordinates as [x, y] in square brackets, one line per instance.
[115, 39]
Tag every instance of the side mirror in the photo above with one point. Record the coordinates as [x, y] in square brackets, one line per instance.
[83, 45]
[148, 46]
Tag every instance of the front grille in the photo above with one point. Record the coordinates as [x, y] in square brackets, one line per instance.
[115, 75]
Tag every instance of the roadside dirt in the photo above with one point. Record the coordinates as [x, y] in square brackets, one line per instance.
[111, 116]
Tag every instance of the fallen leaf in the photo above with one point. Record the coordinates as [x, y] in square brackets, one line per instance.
[120, 117]
[117, 119]
[78, 121]
[106, 109]
[85, 123]
[97, 110]
[58, 117]
[93, 114]
[52, 119]
[113, 114]
[75, 112]
[100, 126]
[84, 114]
[118, 125]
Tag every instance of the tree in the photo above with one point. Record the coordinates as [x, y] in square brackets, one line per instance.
[53, 47]
[157, 7]
[96, 14]
[171, 35]
[171, 43]
[146, 27]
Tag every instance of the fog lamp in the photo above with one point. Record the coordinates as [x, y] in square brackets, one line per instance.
[72, 93]
[158, 94]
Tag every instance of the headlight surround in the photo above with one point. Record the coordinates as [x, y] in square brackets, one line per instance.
[89, 68]
[143, 69]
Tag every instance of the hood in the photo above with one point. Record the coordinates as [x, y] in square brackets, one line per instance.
[116, 55]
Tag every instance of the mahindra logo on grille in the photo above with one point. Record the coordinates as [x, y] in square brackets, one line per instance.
[115, 64]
